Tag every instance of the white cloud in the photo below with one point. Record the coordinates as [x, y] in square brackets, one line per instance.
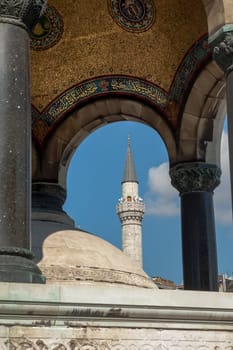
[222, 197]
[163, 200]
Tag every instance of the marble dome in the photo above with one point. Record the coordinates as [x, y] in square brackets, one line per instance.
[74, 257]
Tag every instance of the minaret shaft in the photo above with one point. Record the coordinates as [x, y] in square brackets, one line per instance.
[130, 211]
[132, 233]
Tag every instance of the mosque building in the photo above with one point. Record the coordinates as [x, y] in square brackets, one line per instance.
[68, 68]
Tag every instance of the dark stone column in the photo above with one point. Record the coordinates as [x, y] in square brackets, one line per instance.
[48, 197]
[16, 264]
[222, 43]
[196, 182]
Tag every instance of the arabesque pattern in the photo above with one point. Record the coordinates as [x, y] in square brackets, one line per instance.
[107, 344]
[168, 104]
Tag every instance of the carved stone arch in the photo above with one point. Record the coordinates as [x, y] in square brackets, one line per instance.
[138, 100]
[203, 118]
[83, 121]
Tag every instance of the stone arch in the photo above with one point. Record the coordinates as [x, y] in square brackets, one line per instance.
[84, 120]
[168, 103]
[188, 142]
[139, 99]
[203, 117]
[196, 138]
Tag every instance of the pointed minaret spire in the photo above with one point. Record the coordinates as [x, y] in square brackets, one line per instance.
[129, 172]
[130, 211]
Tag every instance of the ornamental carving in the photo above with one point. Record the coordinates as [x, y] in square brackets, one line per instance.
[223, 52]
[102, 344]
[133, 211]
[48, 30]
[82, 273]
[43, 122]
[195, 177]
[133, 15]
[11, 7]
[22, 12]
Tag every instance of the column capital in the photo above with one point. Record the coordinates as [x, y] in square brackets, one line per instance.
[195, 177]
[24, 13]
[222, 46]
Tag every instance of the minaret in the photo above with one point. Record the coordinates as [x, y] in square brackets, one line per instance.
[130, 211]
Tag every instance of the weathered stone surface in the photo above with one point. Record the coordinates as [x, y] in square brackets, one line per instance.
[73, 256]
[104, 318]
[222, 43]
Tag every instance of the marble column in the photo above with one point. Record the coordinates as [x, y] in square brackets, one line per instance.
[195, 183]
[222, 44]
[16, 18]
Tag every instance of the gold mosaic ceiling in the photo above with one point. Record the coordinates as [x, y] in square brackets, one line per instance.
[93, 44]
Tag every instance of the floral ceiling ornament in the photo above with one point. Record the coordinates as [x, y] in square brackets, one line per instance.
[133, 15]
[48, 30]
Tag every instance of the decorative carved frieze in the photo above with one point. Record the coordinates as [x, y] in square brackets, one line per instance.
[83, 273]
[111, 344]
[195, 177]
[22, 12]
[223, 51]
[131, 212]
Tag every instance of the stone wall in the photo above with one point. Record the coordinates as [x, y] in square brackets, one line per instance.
[105, 317]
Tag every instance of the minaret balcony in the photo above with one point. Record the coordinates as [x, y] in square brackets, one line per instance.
[131, 206]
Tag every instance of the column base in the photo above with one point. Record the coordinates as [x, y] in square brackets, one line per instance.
[16, 265]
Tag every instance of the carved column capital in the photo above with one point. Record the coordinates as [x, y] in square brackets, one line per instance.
[195, 177]
[222, 46]
[24, 13]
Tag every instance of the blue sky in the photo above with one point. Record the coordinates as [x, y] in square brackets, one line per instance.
[94, 187]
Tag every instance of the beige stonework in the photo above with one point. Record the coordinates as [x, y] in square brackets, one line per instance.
[203, 118]
[74, 256]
